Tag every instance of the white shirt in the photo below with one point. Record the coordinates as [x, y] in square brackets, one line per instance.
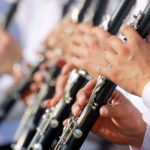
[146, 101]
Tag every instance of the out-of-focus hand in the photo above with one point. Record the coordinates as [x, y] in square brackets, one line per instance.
[130, 61]
[9, 52]
[60, 85]
[34, 87]
[120, 122]
[87, 47]
[59, 90]
[60, 37]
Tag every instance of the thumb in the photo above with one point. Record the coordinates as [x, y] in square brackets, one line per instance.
[112, 111]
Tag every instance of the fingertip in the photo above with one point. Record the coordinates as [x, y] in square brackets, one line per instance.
[53, 102]
[34, 87]
[104, 111]
[90, 85]
[65, 122]
[82, 100]
[76, 110]
[124, 28]
[39, 77]
[64, 70]
[60, 62]
[47, 103]
[44, 67]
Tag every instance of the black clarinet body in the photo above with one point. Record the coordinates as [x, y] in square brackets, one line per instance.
[15, 93]
[89, 116]
[52, 134]
[76, 131]
[143, 27]
[51, 125]
[49, 137]
[6, 20]
[54, 71]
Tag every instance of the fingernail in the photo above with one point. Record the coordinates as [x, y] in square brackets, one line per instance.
[105, 111]
[80, 99]
[76, 111]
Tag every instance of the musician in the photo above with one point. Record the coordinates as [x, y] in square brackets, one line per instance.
[110, 52]
[119, 122]
[28, 28]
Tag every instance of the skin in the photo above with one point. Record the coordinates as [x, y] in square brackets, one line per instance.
[86, 50]
[60, 85]
[119, 122]
[58, 38]
[103, 49]
[9, 52]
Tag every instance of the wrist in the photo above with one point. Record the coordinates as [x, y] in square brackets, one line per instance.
[138, 139]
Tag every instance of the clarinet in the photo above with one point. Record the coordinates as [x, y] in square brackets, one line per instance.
[45, 139]
[35, 109]
[5, 20]
[95, 12]
[77, 129]
[52, 120]
[14, 93]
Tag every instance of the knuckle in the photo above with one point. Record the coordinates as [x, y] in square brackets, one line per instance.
[136, 41]
[110, 38]
[125, 28]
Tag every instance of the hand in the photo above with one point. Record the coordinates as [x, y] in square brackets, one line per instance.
[86, 49]
[59, 38]
[120, 122]
[130, 61]
[60, 85]
[9, 52]
[34, 87]
[59, 90]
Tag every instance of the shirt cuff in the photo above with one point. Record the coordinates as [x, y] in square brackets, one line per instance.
[146, 95]
[146, 143]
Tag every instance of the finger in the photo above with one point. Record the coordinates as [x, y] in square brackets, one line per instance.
[84, 28]
[67, 68]
[44, 67]
[65, 122]
[47, 103]
[76, 110]
[90, 41]
[85, 93]
[148, 38]
[60, 62]
[109, 58]
[90, 85]
[34, 88]
[53, 101]
[50, 55]
[116, 110]
[39, 77]
[130, 33]
[79, 63]
[15, 81]
[60, 85]
[107, 72]
[77, 51]
[101, 33]
[116, 44]
[78, 40]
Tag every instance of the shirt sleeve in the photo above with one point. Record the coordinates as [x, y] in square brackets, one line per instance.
[146, 140]
[146, 95]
